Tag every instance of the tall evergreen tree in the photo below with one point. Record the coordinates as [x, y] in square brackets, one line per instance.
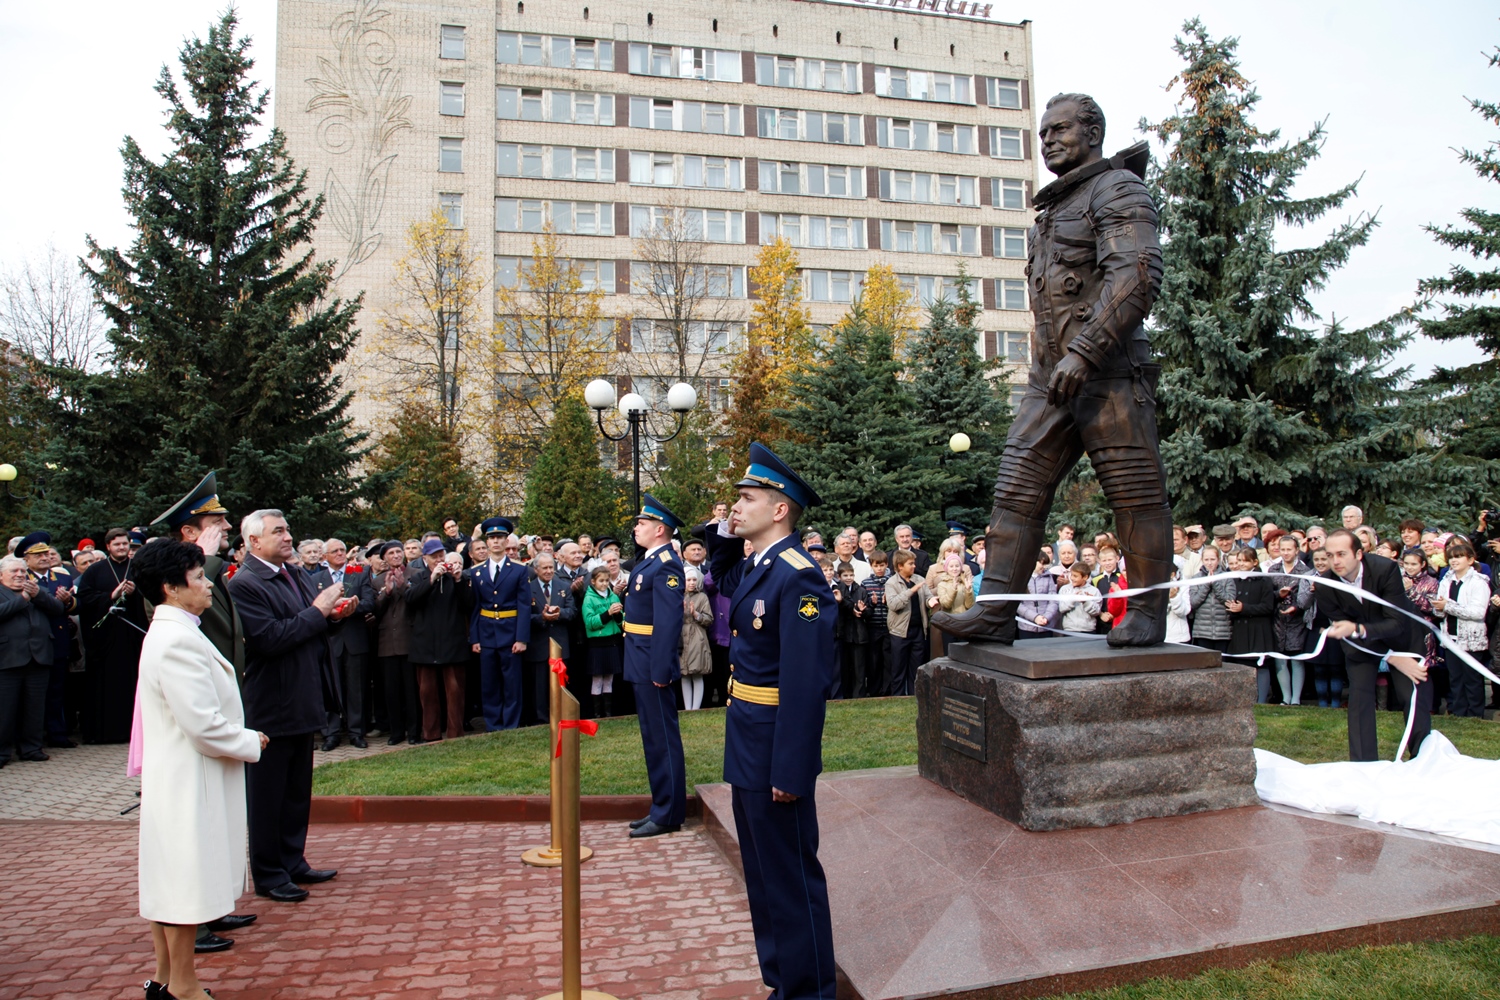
[224, 343]
[1256, 410]
[954, 392]
[855, 436]
[568, 490]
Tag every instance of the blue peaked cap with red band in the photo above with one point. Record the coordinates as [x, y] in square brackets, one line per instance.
[769, 472]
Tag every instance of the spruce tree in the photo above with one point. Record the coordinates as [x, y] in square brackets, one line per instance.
[690, 471]
[1257, 411]
[224, 342]
[857, 439]
[422, 475]
[568, 490]
[954, 392]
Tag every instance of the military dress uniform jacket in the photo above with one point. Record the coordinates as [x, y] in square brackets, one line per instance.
[653, 618]
[221, 622]
[502, 607]
[792, 651]
[62, 638]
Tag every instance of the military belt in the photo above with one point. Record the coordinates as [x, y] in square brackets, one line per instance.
[497, 614]
[754, 694]
[635, 629]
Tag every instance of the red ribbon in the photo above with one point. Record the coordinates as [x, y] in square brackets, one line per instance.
[561, 670]
[587, 727]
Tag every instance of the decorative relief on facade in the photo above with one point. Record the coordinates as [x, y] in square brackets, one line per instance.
[363, 107]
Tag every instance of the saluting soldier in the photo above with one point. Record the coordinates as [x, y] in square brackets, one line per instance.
[36, 549]
[500, 625]
[653, 635]
[782, 671]
[200, 519]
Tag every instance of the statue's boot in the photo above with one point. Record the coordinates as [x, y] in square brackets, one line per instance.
[1145, 536]
[1010, 549]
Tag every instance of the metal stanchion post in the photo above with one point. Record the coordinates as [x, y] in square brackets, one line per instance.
[551, 856]
[572, 907]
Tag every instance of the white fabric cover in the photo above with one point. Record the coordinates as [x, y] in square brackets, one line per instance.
[1438, 791]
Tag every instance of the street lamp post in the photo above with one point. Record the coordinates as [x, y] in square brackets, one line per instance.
[600, 395]
[8, 475]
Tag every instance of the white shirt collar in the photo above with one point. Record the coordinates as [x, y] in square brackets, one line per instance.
[653, 549]
[274, 568]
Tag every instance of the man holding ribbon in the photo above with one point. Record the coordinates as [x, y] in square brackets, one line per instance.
[653, 634]
[781, 654]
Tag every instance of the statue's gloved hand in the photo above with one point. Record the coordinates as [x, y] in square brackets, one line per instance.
[1067, 378]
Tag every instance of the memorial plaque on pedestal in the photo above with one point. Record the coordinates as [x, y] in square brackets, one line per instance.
[1071, 751]
[1065, 656]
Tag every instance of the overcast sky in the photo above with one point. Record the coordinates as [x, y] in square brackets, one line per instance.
[1390, 79]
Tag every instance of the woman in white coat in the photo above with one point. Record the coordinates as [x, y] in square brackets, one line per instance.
[193, 833]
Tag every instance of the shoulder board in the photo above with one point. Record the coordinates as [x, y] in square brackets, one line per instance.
[665, 555]
[796, 559]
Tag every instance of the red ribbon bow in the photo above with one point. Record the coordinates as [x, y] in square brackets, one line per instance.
[561, 670]
[587, 727]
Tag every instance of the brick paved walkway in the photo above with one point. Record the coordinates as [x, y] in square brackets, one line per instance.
[437, 910]
[89, 783]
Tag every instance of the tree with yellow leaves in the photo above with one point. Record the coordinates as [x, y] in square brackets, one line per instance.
[888, 306]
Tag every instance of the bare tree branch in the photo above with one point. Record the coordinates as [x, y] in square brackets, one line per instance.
[47, 312]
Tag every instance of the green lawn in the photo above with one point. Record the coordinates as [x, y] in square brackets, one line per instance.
[876, 732]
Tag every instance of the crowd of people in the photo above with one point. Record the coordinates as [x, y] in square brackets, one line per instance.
[410, 665]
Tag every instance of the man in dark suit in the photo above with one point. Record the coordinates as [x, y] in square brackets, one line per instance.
[500, 626]
[1370, 632]
[348, 644]
[36, 549]
[288, 687]
[552, 614]
[905, 543]
[26, 651]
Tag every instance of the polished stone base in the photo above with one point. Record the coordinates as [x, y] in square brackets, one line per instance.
[1090, 751]
[933, 895]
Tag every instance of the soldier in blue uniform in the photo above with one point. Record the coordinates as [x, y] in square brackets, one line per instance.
[36, 549]
[499, 626]
[783, 670]
[653, 635]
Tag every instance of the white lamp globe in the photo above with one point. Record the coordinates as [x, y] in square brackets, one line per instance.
[682, 397]
[599, 394]
[7, 473]
[633, 402]
[959, 443]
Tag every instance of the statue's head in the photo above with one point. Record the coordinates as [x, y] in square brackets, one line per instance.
[1071, 132]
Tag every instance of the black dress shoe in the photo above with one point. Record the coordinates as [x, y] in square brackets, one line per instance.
[62, 744]
[287, 893]
[359, 743]
[330, 742]
[636, 824]
[35, 755]
[314, 875]
[650, 829]
[210, 943]
[233, 922]
[416, 741]
[395, 741]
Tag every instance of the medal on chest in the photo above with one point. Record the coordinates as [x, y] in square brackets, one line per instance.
[637, 583]
[758, 611]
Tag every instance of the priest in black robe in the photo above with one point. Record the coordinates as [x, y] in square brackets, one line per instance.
[113, 615]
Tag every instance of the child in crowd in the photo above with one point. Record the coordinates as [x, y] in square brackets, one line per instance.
[697, 659]
[852, 633]
[602, 615]
[1080, 602]
[906, 601]
[878, 660]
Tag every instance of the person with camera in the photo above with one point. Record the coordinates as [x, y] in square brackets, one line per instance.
[438, 599]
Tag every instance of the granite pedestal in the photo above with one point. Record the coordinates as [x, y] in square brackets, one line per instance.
[1039, 734]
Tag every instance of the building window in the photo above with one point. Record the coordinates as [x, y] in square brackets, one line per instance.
[831, 286]
[451, 99]
[657, 336]
[1010, 243]
[555, 162]
[807, 74]
[928, 288]
[919, 85]
[708, 225]
[1017, 393]
[1007, 192]
[1005, 143]
[1010, 293]
[832, 232]
[717, 281]
[525, 215]
[928, 237]
[451, 156]
[452, 45]
[685, 116]
[1004, 93]
[811, 126]
[942, 137]
[558, 51]
[569, 107]
[822, 179]
[928, 189]
[1017, 347]
[452, 207]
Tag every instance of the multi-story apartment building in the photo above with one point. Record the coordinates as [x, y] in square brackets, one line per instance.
[891, 130]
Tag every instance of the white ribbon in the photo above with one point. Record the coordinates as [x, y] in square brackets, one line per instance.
[1260, 658]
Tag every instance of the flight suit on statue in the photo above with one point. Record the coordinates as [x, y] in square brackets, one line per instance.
[1095, 267]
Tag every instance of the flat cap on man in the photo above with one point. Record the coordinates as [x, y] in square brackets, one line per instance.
[653, 509]
[1223, 531]
[34, 544]
[607, 542]
[767, 471]
[393, 544]
[497, 526]
[201, 499]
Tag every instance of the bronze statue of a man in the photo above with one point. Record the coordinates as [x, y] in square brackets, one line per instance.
[1095, 268]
